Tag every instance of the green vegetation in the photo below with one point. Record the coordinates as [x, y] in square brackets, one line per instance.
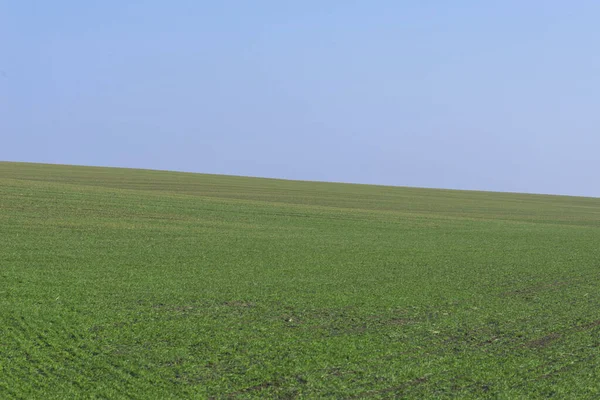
[122, 283]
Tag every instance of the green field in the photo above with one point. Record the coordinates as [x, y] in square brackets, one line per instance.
[121, 283]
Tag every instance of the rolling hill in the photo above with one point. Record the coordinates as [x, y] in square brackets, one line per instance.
[119, 283]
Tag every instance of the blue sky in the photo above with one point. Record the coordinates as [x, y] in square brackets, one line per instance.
[501, 96]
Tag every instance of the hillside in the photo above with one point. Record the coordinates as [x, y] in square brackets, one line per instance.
[121, 283]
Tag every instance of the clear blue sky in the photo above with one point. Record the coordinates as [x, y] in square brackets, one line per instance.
[489, 95]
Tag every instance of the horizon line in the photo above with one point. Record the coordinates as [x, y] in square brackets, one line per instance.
[299, 180]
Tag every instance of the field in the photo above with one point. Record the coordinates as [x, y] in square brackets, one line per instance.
[120, 283]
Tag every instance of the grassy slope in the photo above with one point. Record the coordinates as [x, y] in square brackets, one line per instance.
[128, 283]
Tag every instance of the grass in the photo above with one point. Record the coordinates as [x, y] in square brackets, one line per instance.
[120, 283]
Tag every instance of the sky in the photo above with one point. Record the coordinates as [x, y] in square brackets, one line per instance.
[494, 95]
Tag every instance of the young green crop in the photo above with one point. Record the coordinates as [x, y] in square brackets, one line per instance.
[146, 284]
